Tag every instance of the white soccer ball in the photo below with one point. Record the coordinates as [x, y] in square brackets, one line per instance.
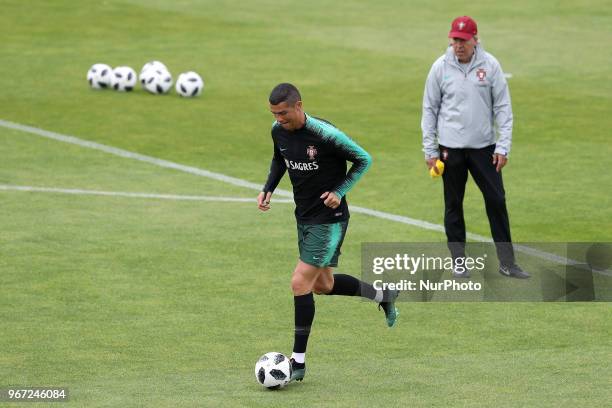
[189, 84]
[273, 370]
[145, 77]
[153, 65]
[99, 76]
[157, 81]
[123, 79]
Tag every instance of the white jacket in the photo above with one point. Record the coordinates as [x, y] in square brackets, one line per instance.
[460, 105]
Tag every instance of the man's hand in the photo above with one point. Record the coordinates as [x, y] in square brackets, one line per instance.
[263, 201]
[331, 199]
[432, 163]
[500, 161]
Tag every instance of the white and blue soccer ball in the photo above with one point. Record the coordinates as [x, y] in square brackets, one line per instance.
[99, 76]
[123, 79]
[157, 81]
[189, 84]
[273, 370]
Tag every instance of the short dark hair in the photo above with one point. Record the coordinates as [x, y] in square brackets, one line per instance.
[284, 92]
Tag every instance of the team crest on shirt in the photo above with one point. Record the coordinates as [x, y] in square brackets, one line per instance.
[311, 151]
[481, 74]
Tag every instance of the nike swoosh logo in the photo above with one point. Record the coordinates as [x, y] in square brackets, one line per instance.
[282, 150]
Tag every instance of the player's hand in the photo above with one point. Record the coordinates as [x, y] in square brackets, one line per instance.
[331, 199]
[432, 163]
[263, 201]
[499, 160]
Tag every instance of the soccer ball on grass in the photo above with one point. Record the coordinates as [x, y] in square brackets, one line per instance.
[153, 65]
[273, 370]
[156, 81]
[99, 76]
[189, 84]
[123, 79]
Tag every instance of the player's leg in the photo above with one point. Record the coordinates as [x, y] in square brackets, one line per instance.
[325, 282]
[330, 283]
[340, 284]
[302, 283]
[490, 183]
[304, 278]
[313, 242]
[454, 179]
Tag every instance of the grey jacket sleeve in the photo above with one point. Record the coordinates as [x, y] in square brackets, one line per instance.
[502, 110]
[432, 98]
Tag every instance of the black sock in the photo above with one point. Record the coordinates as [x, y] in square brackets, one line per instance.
[347, 285]
[304, 315]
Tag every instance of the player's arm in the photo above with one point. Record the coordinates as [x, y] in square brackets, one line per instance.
[350, 151]
[277, 170]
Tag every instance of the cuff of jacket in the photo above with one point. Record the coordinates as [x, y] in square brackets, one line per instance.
[501, 150]
[431, 154]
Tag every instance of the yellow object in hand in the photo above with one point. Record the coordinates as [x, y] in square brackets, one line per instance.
[440, 166]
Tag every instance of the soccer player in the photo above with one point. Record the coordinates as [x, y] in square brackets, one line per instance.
[314, 152]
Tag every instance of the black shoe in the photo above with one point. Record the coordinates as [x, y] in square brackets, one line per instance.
[298, 370]
[464, 275]
[513, 271]
[458, 265]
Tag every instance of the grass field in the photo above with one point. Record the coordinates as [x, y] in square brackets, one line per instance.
[157, 302]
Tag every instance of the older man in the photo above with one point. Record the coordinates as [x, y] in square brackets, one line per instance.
[466, 98]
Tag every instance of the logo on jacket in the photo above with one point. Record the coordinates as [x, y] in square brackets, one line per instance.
[481, 74]
[311, 151]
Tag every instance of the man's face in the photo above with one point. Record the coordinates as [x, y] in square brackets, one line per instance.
[464, 49]
[289, 117]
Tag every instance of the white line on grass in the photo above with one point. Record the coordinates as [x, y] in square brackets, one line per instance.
[254, 186]
[136, 156]
[179, 197]
[212, 175]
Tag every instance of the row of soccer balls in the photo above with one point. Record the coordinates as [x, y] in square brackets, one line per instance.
[154, 77]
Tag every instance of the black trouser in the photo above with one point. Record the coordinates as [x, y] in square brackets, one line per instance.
[479, 162]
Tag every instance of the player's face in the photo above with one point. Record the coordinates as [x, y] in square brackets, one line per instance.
[289, 117]
[464, 49]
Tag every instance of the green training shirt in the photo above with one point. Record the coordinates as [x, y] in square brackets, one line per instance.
[315, 157]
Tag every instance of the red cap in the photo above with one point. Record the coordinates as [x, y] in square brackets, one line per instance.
[463, 27]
